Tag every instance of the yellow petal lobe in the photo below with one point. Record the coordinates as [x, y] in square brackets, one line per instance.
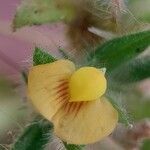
[88, 124]
[47, 86]
[87, 84]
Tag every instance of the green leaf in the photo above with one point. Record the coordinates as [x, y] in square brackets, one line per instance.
[120, 50]
[73, 147]
[41, 57]
[35, 136]
[146, 145]
[134, 71]
[35, 12]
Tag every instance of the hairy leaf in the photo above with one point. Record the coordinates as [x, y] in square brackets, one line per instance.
[120, 50]
[73, 147]
[35, 12]
[42, 57]
[34, 137]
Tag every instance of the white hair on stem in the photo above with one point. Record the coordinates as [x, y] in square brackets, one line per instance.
[54, 143]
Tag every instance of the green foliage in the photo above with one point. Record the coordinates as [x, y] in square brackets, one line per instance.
[35, 136]
[146, 145]
[120, 50]
[133, 71]
[35, 12]
[73, 147]
[41, 57]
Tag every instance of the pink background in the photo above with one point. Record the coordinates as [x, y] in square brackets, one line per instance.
[16, 48]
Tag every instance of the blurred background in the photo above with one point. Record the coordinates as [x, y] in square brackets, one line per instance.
[16, 56]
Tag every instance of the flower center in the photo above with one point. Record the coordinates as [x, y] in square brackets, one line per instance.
[87, 84]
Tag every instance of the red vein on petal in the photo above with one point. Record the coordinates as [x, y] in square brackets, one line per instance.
[74, 106]
[65, 83]
[70, 106]
[78, 108]
[63, 89]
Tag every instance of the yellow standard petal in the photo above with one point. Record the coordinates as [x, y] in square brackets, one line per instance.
[85, 122]
[48, 84]
[87, 84]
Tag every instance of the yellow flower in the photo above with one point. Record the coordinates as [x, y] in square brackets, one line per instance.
[72, 100]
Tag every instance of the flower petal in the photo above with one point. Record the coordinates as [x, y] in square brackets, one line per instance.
[87, 124]
[47, 84]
